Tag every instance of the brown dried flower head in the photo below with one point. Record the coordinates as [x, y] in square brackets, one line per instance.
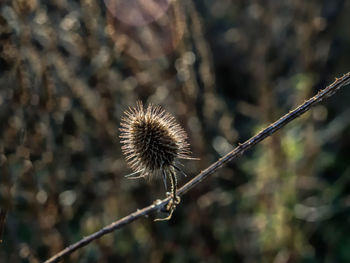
[152, 140]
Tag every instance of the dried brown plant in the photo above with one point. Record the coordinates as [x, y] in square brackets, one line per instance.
[153, 141]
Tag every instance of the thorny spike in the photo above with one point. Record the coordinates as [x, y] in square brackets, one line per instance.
[180, 170]
[152, 142]
[164, 180]
[130, 176]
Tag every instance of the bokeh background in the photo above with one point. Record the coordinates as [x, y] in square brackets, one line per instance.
[224, 69]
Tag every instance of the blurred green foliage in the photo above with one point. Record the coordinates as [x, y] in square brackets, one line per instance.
[225, 69]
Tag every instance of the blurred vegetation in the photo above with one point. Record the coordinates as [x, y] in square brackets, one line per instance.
[225, 69]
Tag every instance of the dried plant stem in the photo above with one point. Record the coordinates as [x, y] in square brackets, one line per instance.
[239, 150]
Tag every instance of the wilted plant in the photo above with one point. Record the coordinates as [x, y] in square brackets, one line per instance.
[153, 143]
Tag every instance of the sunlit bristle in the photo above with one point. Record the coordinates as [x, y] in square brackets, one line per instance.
[152, 139]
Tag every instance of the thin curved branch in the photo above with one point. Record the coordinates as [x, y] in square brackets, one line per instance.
[239, 150]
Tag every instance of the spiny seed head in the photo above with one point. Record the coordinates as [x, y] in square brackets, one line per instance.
[152, 139]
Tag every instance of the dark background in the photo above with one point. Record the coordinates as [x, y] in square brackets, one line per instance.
[224, 69]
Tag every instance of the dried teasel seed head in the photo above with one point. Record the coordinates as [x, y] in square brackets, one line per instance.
[152, 140]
